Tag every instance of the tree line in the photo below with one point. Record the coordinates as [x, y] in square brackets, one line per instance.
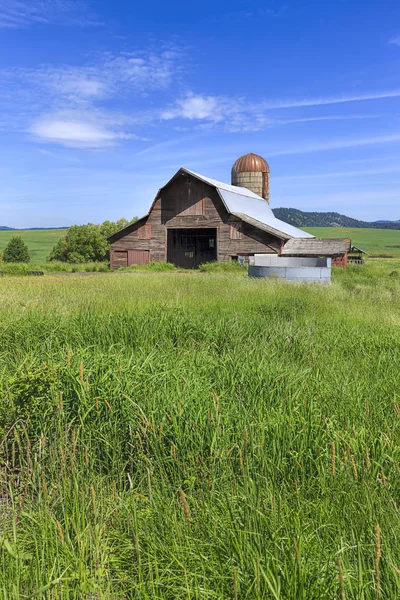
[80, 244]
[299, 218]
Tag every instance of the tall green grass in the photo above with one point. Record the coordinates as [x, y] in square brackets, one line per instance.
[200, 435]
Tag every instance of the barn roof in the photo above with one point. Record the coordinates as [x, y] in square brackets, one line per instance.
[238, 201]
[317, 247]
[241, 201]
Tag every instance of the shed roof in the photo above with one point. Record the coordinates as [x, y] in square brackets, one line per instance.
[316, 247]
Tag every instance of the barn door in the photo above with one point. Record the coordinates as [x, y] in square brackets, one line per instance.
[138, 257]
[119, 258]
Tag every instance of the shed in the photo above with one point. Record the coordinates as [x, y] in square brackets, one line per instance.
[337, 248]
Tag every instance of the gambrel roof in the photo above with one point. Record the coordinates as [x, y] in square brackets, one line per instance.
[240, 202]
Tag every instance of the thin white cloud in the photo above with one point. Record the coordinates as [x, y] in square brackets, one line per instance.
[336, 174]
[108, 76]
[192, 107]
[82, 94]
[23, 13]
[79, 130]
[395, 41]
[297, 103]
[337, 145]
[238, 114]
[332, 118]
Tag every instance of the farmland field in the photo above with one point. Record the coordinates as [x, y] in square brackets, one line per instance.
[378, 242]
[373, 241]
[40, 242]
[203, 436]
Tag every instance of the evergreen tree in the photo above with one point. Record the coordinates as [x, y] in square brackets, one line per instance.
[16, 251]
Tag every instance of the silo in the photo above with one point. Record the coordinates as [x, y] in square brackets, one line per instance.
[252, 172]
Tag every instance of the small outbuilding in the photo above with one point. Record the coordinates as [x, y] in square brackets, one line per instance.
[336, 248]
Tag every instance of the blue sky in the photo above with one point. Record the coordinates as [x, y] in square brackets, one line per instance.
[101, 102]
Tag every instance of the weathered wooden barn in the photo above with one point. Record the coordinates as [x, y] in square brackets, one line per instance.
[194, 219]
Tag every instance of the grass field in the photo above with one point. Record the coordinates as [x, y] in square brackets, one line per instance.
[40, 242]
[202, 436]
[373, 241]
[376, 242]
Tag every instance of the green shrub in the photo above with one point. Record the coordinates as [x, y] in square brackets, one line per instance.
[16, 251]
[86, 243]
[15, 268]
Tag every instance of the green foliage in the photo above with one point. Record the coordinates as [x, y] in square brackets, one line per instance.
[214, 437]
[299, 218]
[16, 251]
[40, 242]
[86, 243]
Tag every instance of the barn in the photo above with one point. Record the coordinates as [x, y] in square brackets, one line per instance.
[194, 219]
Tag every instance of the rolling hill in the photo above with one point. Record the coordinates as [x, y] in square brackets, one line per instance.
[299, 218]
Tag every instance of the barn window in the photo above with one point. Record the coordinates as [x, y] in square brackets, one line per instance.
[236, 231]
[144, 232]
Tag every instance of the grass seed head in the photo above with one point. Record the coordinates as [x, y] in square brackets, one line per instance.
[185, 506]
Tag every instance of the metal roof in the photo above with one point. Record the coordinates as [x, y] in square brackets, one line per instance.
[317, 247]
[241, 200]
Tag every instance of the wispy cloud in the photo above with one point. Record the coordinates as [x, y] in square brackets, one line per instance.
[337, 174]
[239, 114]
[105, 77]
[395, 40]
[70, 105]
[23, 13]
[337, 145]
[77, 129]
[324, 101]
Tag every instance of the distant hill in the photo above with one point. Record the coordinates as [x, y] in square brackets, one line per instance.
[4, 228]
[298, 218]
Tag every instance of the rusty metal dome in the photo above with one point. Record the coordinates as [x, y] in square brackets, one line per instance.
[250, 163]
[252, 172]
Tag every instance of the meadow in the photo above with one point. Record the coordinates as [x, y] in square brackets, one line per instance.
[383, 243]
[40, 242]
[376, 242]
[200, 435]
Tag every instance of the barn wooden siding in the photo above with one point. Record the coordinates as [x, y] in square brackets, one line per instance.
[188, 202]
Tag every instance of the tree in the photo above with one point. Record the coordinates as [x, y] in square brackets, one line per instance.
[86, 243]
[16, 251]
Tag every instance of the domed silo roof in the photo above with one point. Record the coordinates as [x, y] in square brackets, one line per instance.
[252, 171]
[249, 163]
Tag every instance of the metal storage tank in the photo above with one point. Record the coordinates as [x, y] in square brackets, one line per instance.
[252, 172]
[298, 270]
